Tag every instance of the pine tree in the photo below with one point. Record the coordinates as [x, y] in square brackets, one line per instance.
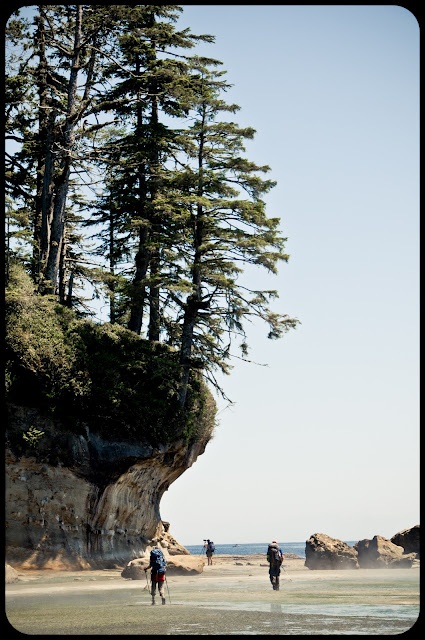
[19, 117]
[51, 91]
[148, 86]
[228, 228]
[121, 131]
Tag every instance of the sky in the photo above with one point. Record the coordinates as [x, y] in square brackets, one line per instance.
[322, 435]
[325, 438]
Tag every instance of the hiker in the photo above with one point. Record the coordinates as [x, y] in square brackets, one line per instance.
[209, 550]
[275, 558]
[157, 565]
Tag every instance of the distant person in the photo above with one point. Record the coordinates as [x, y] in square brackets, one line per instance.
[209, 550]
[274, 558]
[158, 567]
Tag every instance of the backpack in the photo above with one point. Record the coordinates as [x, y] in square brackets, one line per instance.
[157, 561]
[211, 546]
[273, 555]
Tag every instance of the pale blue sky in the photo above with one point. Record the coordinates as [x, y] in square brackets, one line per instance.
[326, 437]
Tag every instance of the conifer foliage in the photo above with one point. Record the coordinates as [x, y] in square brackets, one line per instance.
[126, 178]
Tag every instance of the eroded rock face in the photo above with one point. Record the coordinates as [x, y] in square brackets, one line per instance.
[409, 539]
[324, 552]
[381, 553]
[79, 515]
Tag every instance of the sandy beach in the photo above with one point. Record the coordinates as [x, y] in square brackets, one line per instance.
[231, 597]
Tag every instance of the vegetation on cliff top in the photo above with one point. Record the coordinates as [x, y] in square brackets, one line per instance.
[105, 376]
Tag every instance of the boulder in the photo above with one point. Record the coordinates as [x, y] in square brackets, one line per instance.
[324, 552]
[177, 565]
[182, 565]
[134, 571]
[380, 553]
[11, 575]
[409, 539]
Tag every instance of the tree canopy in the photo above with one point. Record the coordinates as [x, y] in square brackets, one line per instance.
[127, 181]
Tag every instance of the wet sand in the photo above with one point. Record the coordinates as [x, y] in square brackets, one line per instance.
[231, 597]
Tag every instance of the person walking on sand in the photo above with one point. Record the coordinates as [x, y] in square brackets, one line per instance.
[275, 558]
[209, 550]
[158, 566]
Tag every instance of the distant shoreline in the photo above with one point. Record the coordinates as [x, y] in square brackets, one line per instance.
[252, 548]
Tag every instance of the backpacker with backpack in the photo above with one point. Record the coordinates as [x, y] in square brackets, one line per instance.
[211, 546]
[157, 561]
[273, 555]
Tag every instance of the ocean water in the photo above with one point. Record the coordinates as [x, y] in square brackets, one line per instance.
[244, 549]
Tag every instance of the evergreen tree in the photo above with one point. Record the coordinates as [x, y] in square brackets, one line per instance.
[51, 91]
[148, 86]
[120, 130]
[228, 228]
[19, 117]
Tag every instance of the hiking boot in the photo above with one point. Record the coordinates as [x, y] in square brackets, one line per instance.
[163, 600]
[153, 600]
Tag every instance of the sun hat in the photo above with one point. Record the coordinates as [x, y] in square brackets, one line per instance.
[274, 541]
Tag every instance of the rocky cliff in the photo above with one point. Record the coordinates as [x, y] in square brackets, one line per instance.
[81, 501]
[96, 432]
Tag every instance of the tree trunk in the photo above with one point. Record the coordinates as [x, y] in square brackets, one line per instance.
[62, 184]
[191, 313]
[43, 135]
[154, 314]
[194, 302]
[142, 258]
[138, 289]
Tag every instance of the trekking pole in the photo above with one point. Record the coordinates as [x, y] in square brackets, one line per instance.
[286, 573]
[147, 583]
[168, 589]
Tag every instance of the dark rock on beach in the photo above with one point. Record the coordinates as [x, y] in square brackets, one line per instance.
[324, 552]
[380, 553]
[409, 539]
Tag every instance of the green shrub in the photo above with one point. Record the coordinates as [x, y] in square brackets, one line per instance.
[33, 436]
[122, 386]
